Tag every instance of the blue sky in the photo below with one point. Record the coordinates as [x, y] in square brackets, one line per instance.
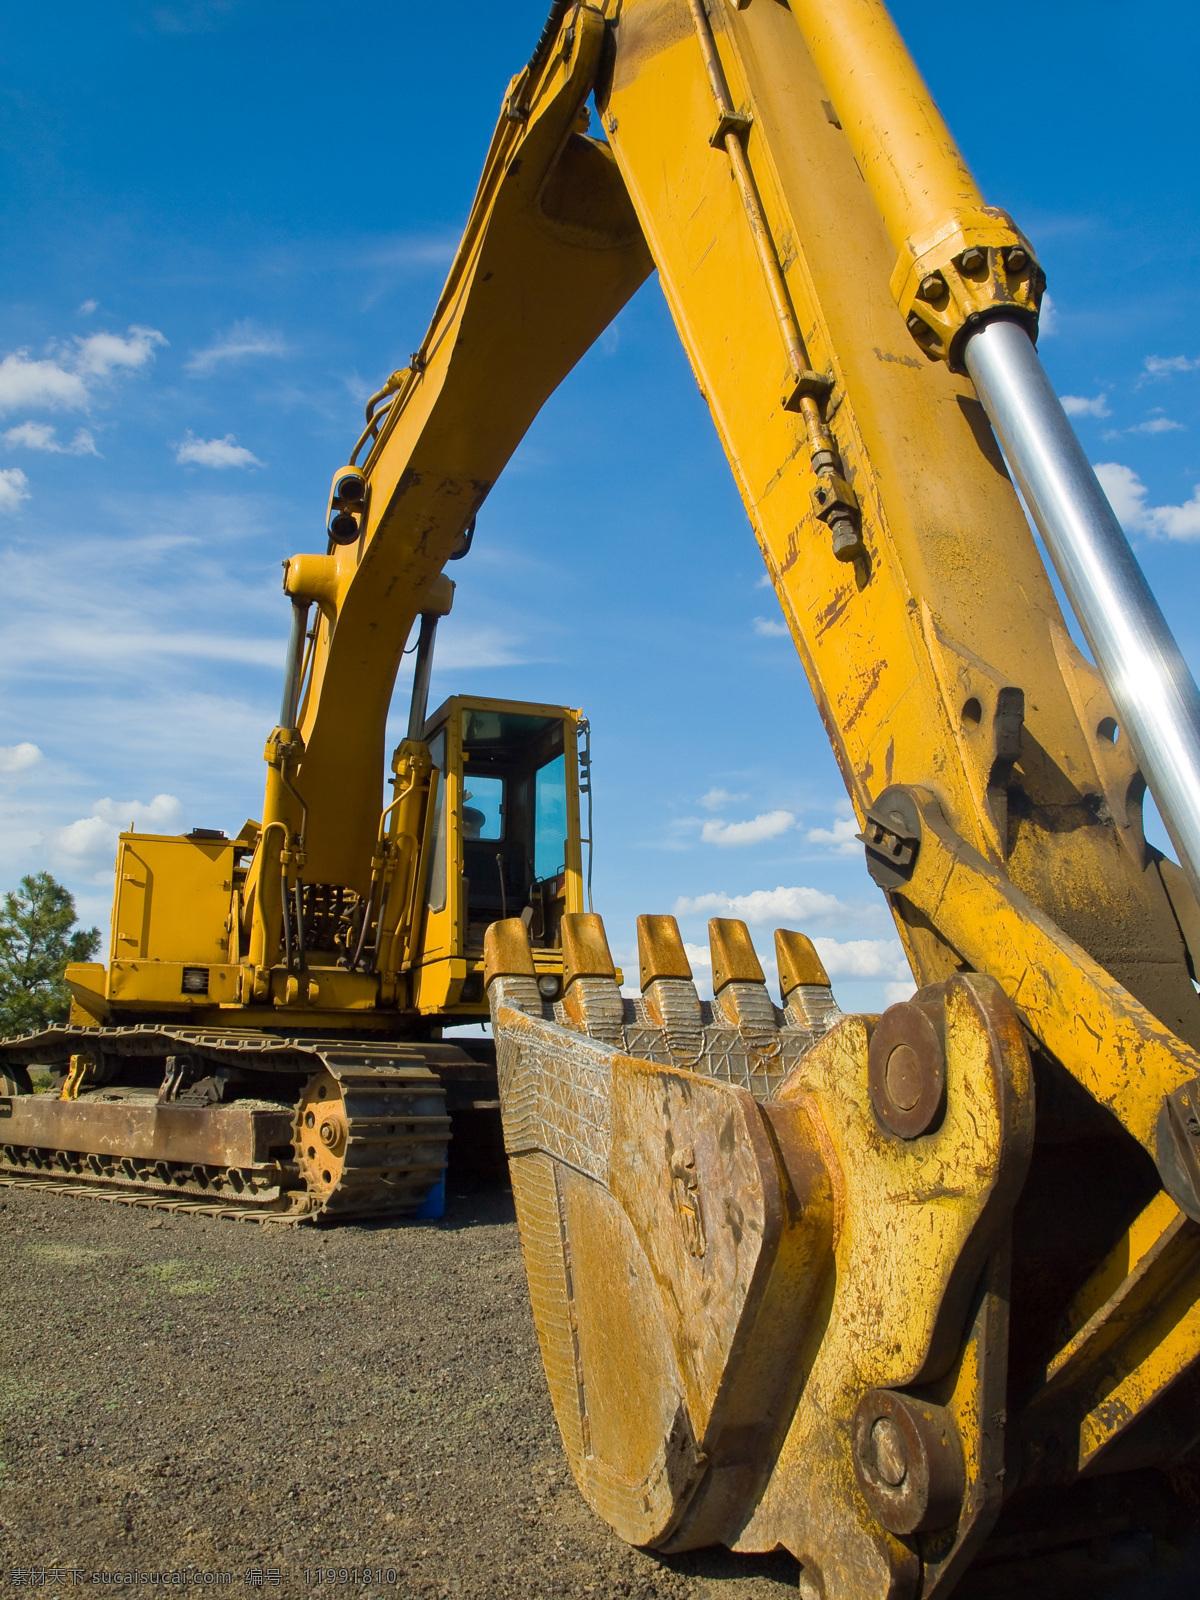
[225, 221]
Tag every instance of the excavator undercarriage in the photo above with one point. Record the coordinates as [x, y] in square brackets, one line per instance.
[313, 1128]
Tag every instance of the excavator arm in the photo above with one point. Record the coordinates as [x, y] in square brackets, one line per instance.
[791, 1271]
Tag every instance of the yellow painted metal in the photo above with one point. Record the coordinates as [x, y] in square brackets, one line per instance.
[172, 900]
[76, 1073]
[87, 980]
[930, 204]
[908, 155]
[1133, 1331]
[1114, 1046]
[181, 904]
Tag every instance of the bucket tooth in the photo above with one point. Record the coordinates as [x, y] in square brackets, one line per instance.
[591, 1001]
[668, 993]
[508, 964]
[740, 998]
[804, 985]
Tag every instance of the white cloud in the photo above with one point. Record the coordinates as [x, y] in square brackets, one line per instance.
[18, 757]
[219, 453]
[14, 487]
[1127, 495]
[1076, 406]
[864, 958]
[1157, 425]
[840, 840]
[25, 383]
[62, 385]
[854, 959]
[242, 341]
[764, 905]
[1048, 318]
[764, 582]
[769, 825]
[43, 436]
[1164, 366]
[893, 993]
[716, 798]
[101, 354]
[90, 843]
[114, 645]
[769, 628]
[1125, 490]
[88, 306]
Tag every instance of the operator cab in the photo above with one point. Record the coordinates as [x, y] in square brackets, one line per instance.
[504, 831]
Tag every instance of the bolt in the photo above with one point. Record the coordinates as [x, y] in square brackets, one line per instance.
[903, 1077]
[847, 544]
[1017, 260]
[329, 1133]
[891, 1453]
[973, 260]
[933, 286]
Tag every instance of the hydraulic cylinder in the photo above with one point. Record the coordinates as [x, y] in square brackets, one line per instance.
[1155, 694]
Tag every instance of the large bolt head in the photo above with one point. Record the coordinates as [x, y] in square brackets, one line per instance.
[973, 260]
[933, 286]
[908, 1461]
[906, 1071]
[847, 541]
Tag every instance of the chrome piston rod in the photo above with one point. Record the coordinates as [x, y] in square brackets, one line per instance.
[1155, 694]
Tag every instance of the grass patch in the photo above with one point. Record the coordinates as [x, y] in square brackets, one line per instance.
[67, 1255]
[179, 1277]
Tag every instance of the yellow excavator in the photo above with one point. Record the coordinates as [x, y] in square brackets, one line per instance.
[914, 1296]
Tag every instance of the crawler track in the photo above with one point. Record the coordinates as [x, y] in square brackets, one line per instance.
[366, 1124]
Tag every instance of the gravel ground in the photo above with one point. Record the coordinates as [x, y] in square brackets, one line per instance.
[182, 1394]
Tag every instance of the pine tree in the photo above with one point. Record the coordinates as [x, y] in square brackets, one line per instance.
[36, 943]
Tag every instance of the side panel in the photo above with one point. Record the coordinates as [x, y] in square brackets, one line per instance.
[173, 899]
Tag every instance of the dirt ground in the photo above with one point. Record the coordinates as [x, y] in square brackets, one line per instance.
[353, 1410]
[186, 1395]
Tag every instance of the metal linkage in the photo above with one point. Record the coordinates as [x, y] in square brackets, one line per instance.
[834, 501]
[1155, 694]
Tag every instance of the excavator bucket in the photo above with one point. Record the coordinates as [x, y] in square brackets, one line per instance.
[767, 1248]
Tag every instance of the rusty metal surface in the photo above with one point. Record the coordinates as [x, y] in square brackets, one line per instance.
[242, 1134]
